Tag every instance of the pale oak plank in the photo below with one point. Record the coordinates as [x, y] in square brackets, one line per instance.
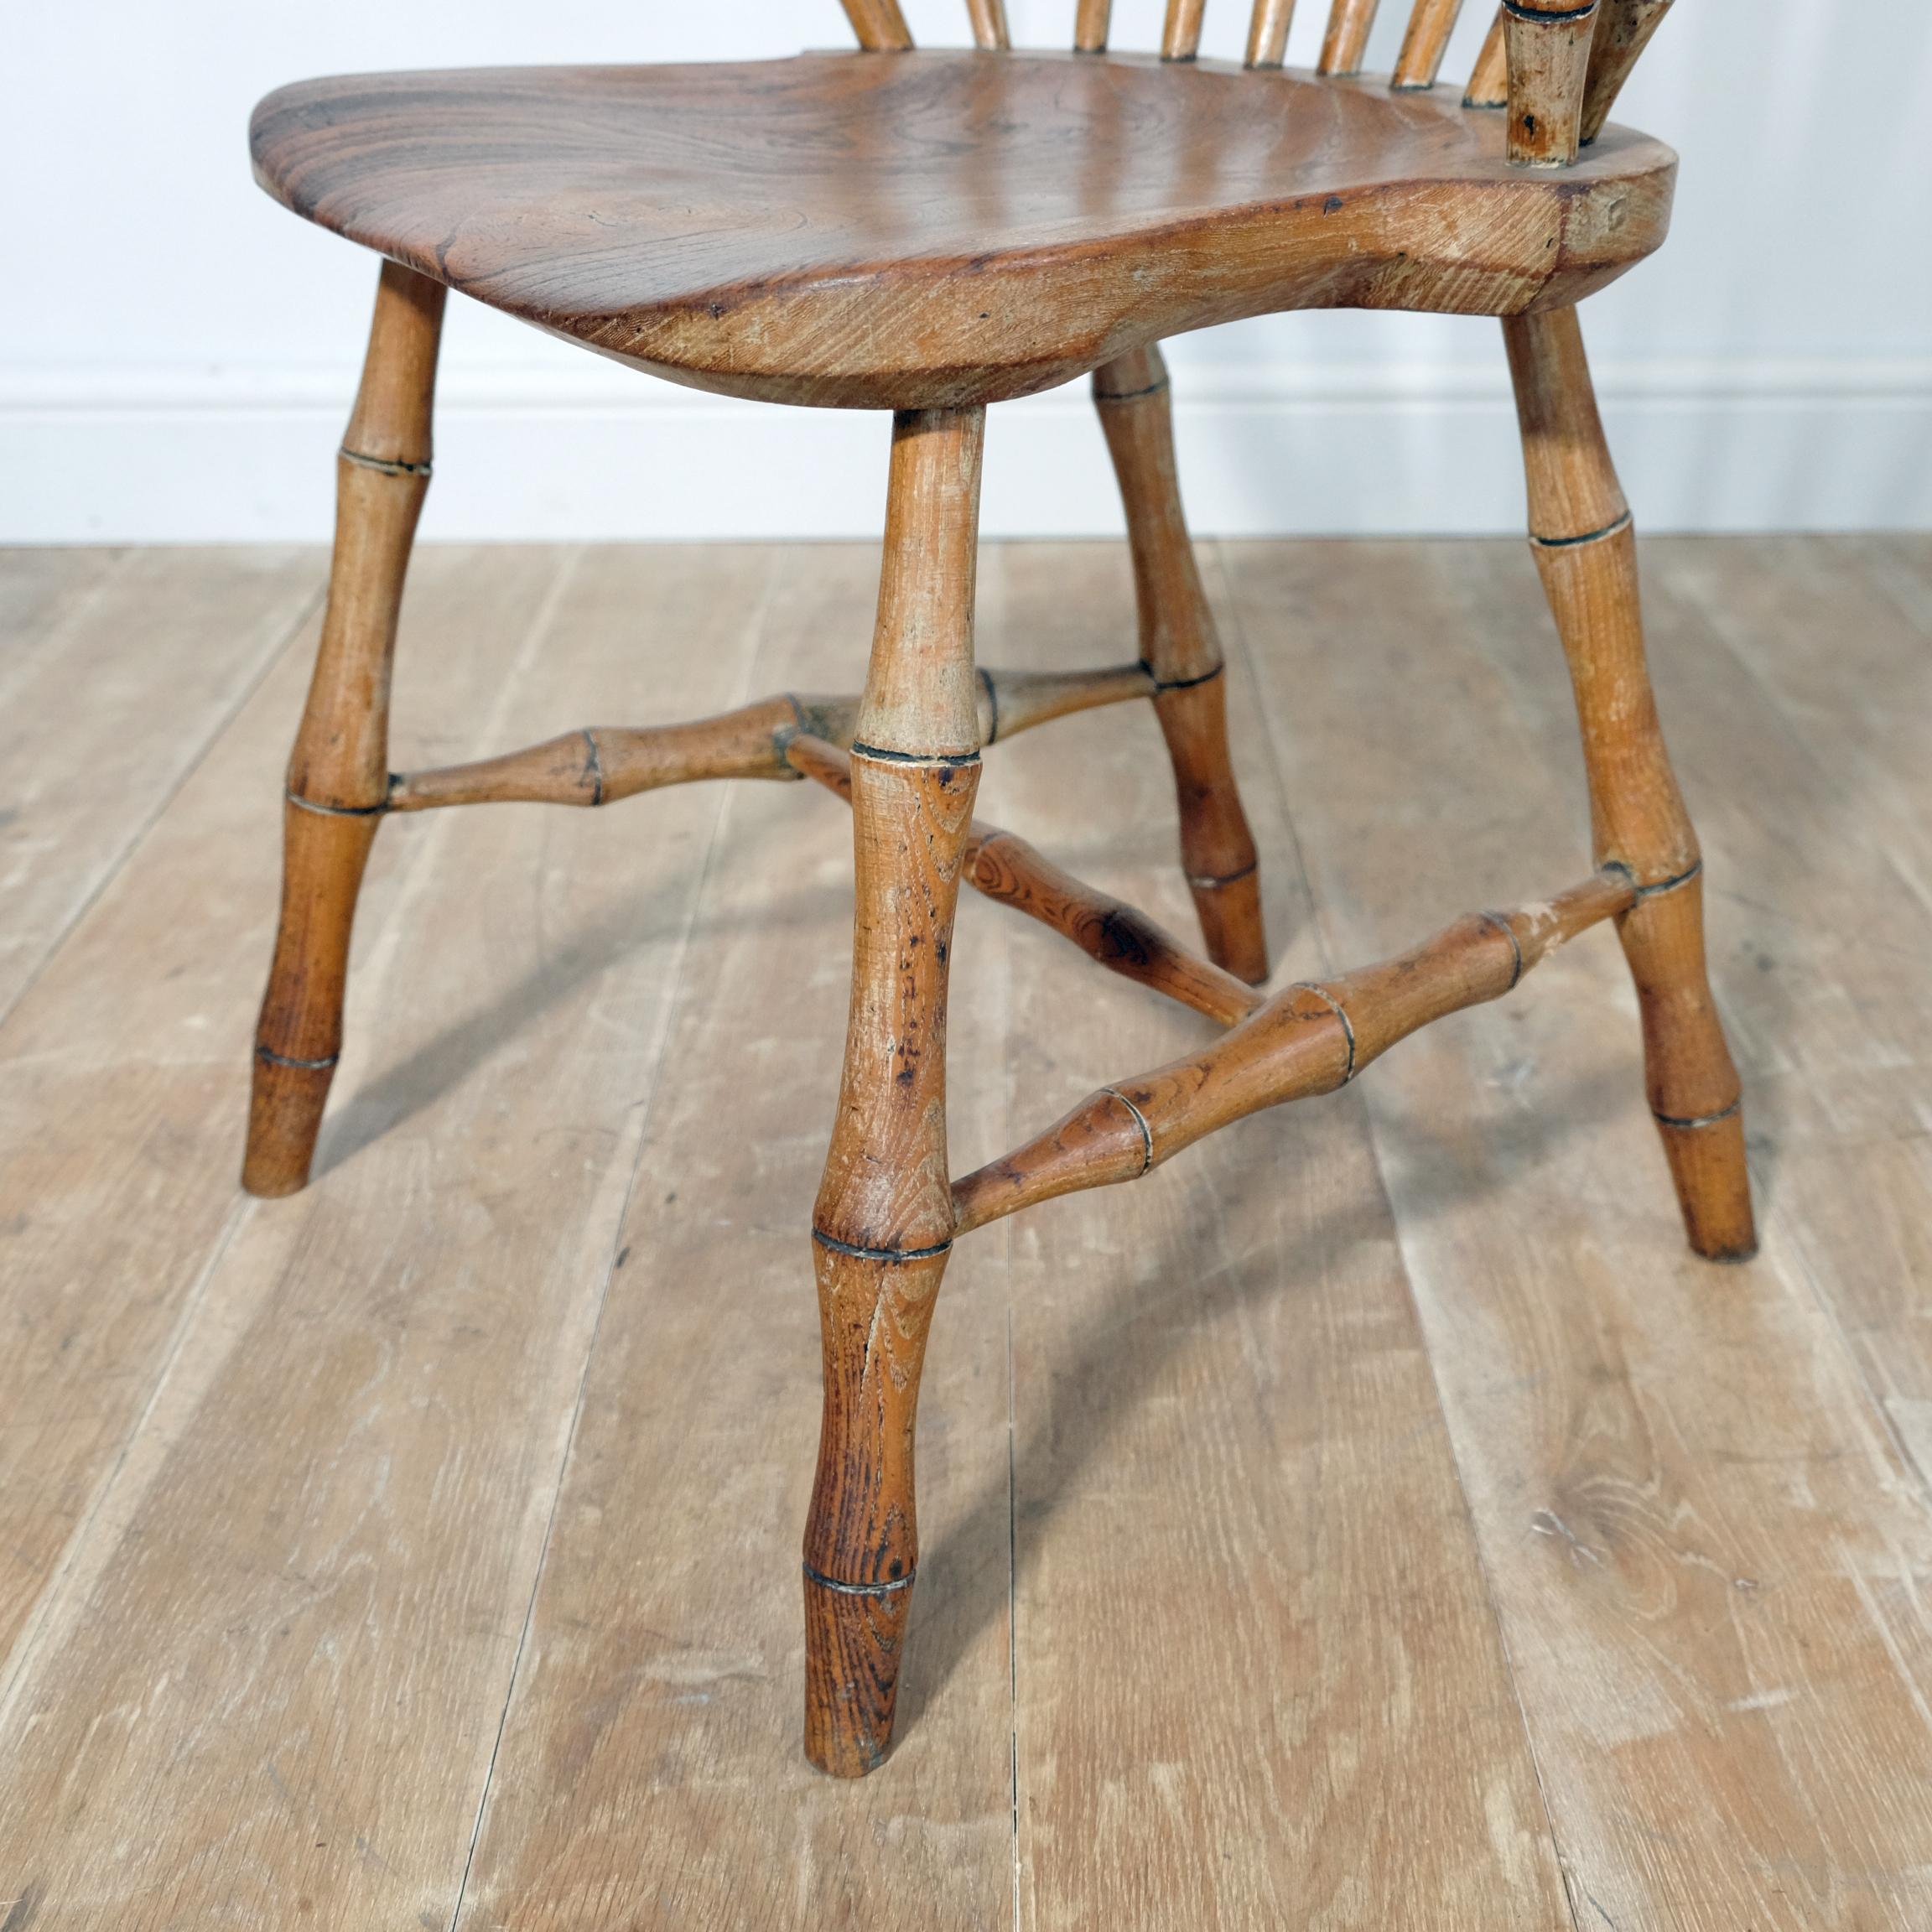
[104, 718]
[1829, 643]
[39, 590]
[275, 1682]
[651, 1771]
[124, 1078]
[1710, 1561]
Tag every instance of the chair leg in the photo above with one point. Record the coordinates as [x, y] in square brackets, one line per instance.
[339, 773]
[1585, 551]
[1180, 650]
[883, 1225]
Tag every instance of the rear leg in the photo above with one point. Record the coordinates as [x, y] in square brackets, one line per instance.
[1180, 650]
[1586, 552]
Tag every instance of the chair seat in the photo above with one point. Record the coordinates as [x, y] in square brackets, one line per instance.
[923, 229]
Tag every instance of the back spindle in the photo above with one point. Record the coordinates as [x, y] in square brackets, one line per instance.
[1489, 85]
[989, 24]
[1346, 42]
[1549, 47]
[1268, 32]
[1090, 26]
[1181, 37]
[1623, 31]
[1425, 43]
[880, 26]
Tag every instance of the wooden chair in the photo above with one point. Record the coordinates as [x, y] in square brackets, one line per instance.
[930, 233]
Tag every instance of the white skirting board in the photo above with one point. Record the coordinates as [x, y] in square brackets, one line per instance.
[571, 448]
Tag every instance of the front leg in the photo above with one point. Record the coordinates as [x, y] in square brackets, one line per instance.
[882, 1229]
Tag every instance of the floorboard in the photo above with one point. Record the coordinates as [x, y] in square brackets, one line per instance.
[1374, 1519]
[275, 1677]
[115, 675]
[661, 1698]
[1709, 1559]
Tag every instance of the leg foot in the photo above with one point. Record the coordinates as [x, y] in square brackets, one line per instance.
[1695, 1092]
[299, 1035]
[862, 1538]
[853, 1641]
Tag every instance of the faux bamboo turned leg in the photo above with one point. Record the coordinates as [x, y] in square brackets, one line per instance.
[883, 1225]
[339, 775]
[1183, 655]
[1585, 550]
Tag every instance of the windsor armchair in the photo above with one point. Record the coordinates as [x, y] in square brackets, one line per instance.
[930, 233]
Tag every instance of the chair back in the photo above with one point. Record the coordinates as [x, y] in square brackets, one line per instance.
[1555, 66]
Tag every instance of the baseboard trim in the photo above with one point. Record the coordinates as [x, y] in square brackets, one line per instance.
[578, 448]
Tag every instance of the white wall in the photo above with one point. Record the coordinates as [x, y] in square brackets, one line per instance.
[177, 353]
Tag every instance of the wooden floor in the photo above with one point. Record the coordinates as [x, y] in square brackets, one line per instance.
[1375, 1520]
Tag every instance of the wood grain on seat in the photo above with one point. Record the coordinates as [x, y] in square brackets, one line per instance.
[921, 229]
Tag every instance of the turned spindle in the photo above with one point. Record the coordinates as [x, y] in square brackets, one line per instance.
[1490, 80]
[1623, 31]
[878, 26]
[1090, 24]
[1345, 45]
[1425, 43]
[1181, 33]
[1308, 1040]
[1268, 32]
[988, 20]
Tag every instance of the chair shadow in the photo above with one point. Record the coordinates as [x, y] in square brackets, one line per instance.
[1114, 1365]
[417, 1082]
